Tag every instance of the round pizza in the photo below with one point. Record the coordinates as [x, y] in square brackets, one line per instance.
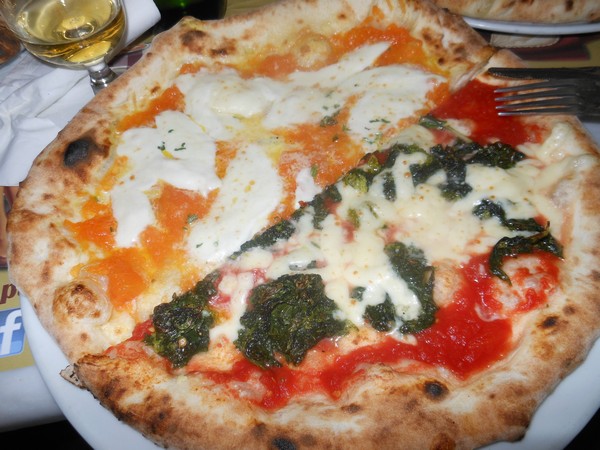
[534, 11]
[307, 227]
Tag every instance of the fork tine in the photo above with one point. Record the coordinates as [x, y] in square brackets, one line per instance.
[567, 101]
[546, 73]
[539, 111]
[549, 84]
[554, 94]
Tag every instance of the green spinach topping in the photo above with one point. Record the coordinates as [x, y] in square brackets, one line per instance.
[486, 209]
[389, 186]
[286, 317]
[322, 204]
[181, 327]
[361, 178]
[541, 240]
[433, 123]
[517, 245]
[454, 159]
[411, 265]
[382, 317]
[281, 230]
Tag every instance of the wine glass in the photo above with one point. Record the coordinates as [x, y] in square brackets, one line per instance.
[71, 33]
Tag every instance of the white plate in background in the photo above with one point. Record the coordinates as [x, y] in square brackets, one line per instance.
[533, 29]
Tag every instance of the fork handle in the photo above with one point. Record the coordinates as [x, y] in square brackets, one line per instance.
[546, 74]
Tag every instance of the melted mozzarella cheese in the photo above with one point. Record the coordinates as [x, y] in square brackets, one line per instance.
[308, 96]
[306, 188]
[218, 101]
[381, 96]
[250, 191]
[385, 95]
[559, 144]
[225, 106]
[237, 287]
[178, 152]
[420, 216]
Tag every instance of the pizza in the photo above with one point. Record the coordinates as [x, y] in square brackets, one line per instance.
[306, 226]
[9, 44]
[535, 11]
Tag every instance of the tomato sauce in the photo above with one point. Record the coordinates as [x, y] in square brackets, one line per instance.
[468, 336]
[475, 102]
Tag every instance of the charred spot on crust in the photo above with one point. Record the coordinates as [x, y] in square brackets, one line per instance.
[549, 322]
[283, 444]
[443, 442]
[79, 301]
[568, 5]
[352, 408]
[595, 275]
[159, 411]
[192, 39]
[78, 151]
[113, 390]
[225, 50]
[460, 50]
[435, 390]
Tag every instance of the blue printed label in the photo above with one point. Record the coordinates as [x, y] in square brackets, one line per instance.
[12, 333]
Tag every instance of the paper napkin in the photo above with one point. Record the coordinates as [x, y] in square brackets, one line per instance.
[37, 100]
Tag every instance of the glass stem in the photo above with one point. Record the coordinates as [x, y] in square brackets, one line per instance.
[100, 76]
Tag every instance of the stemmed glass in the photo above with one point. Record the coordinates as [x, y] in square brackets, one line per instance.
[71, 33]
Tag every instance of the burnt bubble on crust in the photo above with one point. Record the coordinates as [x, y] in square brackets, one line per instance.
[282, 443]
[78, 151]
[193, 40]
[435, 390]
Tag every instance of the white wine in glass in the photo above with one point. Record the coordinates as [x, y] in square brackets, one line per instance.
[72, 33]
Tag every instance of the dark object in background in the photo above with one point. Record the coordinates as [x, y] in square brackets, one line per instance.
[173, 10]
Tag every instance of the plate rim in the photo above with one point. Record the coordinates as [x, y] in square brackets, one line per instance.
[531, 28]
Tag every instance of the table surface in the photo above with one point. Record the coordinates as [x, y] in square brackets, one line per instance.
[577, 50]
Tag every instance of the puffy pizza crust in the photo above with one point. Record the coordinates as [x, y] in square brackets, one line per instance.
[536, 11]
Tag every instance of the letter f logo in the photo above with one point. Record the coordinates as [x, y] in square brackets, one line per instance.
[12, 334]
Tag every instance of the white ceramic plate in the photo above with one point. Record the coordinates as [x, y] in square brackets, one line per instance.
[94, 423]
[533, 29]
[558, 420]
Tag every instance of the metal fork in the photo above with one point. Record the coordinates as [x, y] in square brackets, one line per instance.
[564, 91]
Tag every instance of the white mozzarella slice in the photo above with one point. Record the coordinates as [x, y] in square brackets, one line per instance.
[178, 152]
[306, 188]
[237, 287]
[250, 192]
[385, 95]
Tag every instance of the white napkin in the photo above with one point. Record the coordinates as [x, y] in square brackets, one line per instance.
[37, 100]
